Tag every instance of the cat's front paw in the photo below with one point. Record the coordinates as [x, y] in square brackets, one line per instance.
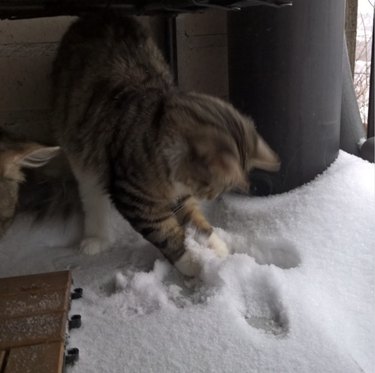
[94, 245]
[188, 265]
[218, 245]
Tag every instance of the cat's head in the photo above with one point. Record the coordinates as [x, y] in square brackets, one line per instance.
[219, 146]
[15, 154]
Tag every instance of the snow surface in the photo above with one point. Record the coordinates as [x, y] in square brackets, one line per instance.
[297, 295]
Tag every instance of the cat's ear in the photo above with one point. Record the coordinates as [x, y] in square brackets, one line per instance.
[30, 155]
[34, 155]
[265, 158]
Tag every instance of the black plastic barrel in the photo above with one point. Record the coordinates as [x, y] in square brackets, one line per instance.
[285, 70]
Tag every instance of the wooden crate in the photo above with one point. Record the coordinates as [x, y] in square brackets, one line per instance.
[33, 317]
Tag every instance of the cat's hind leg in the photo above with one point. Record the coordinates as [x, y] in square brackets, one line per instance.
[97, 208]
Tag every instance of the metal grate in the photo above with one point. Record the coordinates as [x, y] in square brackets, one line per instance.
[15, 9]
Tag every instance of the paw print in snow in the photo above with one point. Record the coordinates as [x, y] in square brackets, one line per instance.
[264, 309]
[281, 253]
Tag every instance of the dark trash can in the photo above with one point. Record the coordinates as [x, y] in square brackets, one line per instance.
[285, 70]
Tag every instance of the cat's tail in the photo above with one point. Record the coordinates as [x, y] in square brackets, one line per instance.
[50, 192]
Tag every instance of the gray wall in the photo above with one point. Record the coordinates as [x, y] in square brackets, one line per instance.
[27, 49]
[202, 57]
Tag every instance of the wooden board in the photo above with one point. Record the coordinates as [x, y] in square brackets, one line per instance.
[25, 331]
[33, 316]
[36, 359]
[31, 303]
[35, 283]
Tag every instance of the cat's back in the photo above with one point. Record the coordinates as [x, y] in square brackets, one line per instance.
[109, 35]
[108, 47]
[109, 81]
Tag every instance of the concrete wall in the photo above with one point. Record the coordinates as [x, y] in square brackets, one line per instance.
[27, 49]
[202, 57]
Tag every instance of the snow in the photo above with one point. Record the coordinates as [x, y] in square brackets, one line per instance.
[366, 6]
[296, 295]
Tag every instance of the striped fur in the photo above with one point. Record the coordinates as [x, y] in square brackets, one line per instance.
[135, 139]
[50, 192]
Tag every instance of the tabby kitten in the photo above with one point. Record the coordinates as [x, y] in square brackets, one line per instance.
[135, 139]
[15, 154]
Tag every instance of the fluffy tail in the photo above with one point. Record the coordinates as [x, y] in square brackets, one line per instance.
[50, 192]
